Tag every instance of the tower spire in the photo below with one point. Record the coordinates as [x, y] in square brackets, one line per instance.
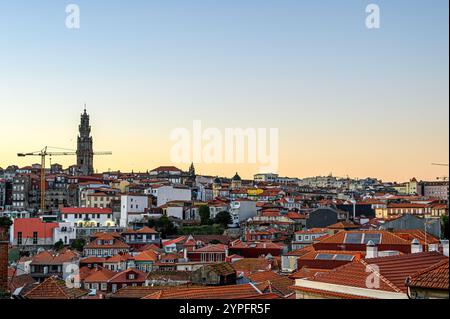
[85, 153]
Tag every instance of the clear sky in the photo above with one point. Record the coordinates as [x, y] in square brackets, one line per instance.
[346, 99]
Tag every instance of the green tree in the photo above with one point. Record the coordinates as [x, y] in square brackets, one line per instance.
[205, 215]
[223, 218]
[163, 225]
[444, 224]
[78, 244]
[58, 245]
[5, 222]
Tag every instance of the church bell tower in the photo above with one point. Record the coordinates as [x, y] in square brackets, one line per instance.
[85, 152]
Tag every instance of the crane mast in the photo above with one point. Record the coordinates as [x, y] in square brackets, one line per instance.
[43, 154]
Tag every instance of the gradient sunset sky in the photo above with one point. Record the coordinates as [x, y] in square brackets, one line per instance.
[347, 100]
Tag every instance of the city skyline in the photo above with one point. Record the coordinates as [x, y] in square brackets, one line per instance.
[345, 99]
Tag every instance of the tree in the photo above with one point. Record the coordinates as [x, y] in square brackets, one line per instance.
[205, 215]
[78, 244]
[58, 245]
[444, 224]
[5, 222]
[164, 225]
[223, 218]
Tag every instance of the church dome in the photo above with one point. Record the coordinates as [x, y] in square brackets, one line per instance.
[236, 177]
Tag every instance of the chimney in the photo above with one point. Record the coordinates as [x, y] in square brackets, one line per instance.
[371, 250]
[416, 247]
[445, 247]
[5, 222]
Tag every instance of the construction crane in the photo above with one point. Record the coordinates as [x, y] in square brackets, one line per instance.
[43, 154]
[439, 164]
[441, 178]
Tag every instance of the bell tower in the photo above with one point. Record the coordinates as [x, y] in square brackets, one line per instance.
[85, 152]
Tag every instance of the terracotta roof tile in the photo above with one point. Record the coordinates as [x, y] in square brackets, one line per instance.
[53, 288]
[99, 275]
[221, 292]
[393, 271]
[433, 277]
[328, 294]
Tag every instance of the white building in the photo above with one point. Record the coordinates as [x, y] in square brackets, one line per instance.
[241, 210]
[204, 193]
[265, 177]
[65, 232]
[133, 208]
[165, 194]
[87, 216]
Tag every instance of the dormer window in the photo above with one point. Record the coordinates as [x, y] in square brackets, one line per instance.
[131, 276]
[99, 242]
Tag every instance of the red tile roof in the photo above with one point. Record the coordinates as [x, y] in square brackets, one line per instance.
[307, 272]
[343, 225]
[302, 251]
[174, 241]
[221, 292]
[262, 276]
[122, 276]
[433, 277]
[418, 234]
[54, 258]
[106, 237]
[312, 231]
[252, 264]
[147, 255]
[218, 248]
[53, 288]
[144, 230]
[392, 273]
[99, 275]
[92, 260]
[387, 238]
[328, 294]
[85, 210]
[120, 257]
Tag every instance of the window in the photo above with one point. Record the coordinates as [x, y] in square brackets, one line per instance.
[35, 238]
[104, 286]
[19, 238]
[131, 276]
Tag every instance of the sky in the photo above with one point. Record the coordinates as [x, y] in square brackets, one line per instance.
[346, 99]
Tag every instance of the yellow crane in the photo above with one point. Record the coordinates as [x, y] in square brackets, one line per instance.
[43, 154]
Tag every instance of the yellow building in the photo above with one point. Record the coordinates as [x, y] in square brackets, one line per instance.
[408, 188]
[254, 191]
[120, 185]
